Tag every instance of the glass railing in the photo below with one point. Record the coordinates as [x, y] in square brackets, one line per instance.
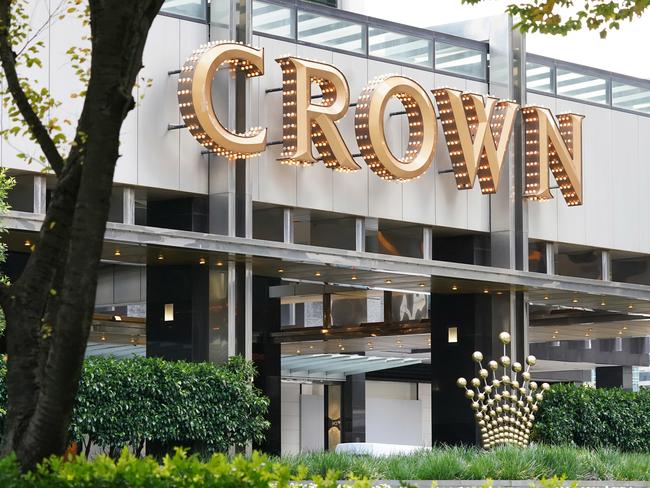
[348, 32]
[460, 60]
[273, 19]
[583, 87]
[398, 47]
[587, 84]
[330, 32]
[191, 9]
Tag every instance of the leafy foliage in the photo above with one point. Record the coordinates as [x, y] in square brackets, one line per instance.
[177, 471]
[540, 462]
[28, 47]
[128, 402]
[564, 16]
[6, 184]
[595, 417]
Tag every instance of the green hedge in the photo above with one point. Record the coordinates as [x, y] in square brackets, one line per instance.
[178, 471]
[595, 417]
[130, 401]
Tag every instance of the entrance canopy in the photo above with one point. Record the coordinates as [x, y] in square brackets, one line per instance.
[335, 367]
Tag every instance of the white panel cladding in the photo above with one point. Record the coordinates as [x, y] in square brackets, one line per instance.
[192, 166]
[542, 216]
[644, 178]
[159, 148]
[478, 205]
[385, 197]
[290, 418]
[314, 183]
[614, 177]
[350, 190]
[277, 182]
[393, 413]
[598, 174]
[424, 395]
[571, 220]
[451, 203]
[419, 196]
[628, 215]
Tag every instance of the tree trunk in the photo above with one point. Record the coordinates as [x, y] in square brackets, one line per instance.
[49, 308]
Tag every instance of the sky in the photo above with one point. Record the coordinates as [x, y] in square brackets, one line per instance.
[621, 52]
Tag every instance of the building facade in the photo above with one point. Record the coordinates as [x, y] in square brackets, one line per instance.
[361, 299]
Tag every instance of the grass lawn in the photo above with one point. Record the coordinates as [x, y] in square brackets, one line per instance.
[506, 463]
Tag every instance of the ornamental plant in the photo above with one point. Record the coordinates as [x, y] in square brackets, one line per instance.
[133, 401]
[595, 417]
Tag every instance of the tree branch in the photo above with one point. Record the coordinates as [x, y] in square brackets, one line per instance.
[36, 127]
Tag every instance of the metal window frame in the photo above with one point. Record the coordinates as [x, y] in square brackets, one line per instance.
[365, 22]
[609, 77]
[205, 20]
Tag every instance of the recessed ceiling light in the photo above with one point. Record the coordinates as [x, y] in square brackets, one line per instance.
[602, 304]
[280, 270]
[388, 282]
[620, 332]
[575, 300]
[630, 306]
[422, 285]
[546, 297]
[117, 253]
[625, 327]
[486, 291]
[160, 257]
[454, 287]
[342, 348]
[587, 334]
[219, 263]
[202, 261]
[556, 332]
[353, 278]
[297, 351]
[28, 243]
[554, 337]
[317, 273]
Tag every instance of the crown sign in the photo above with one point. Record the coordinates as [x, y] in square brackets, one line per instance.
[504, 408]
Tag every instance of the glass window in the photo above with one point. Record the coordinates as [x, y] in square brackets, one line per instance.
[329, 3]
[400, 47]
[461, 60]
[330, 32]
[630, 97]
[273, 19]
[195, 9]
[538, 77]
[583, 87]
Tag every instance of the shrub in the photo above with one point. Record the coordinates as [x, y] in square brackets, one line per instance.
[130, 401]
[177, 471]
[601, 417]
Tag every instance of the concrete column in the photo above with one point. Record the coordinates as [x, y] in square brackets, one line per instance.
[606, 265]
[550, 257]
[360, 234]
[40, 194]
[128, 205]
[427, 243]
[287, 225]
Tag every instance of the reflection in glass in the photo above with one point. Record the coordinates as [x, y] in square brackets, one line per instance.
[195, 9]
[331, 32]
[583, 87]
[630, 97]
[400, 47]
[272, 19]
[461, 60]
[538, 77]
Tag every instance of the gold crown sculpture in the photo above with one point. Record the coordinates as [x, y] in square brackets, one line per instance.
[504, 408]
